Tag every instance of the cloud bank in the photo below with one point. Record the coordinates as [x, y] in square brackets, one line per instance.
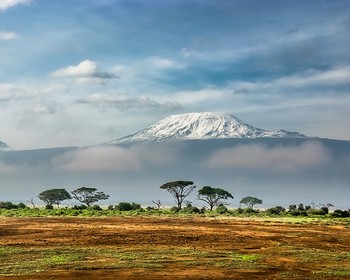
[309, 155]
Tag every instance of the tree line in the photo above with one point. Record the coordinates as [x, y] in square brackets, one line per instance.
[179, 190]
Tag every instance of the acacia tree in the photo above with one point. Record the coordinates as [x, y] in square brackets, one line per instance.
[179, 190]
[213, 196]
[158, 203]
[88, 196]
[250, 201]
[54, 196]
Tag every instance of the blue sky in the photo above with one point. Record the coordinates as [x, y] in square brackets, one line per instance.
[75, 73]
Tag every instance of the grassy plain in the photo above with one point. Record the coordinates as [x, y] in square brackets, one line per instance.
[168, 247]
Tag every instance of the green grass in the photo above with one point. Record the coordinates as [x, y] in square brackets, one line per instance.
[333, 272]
[21, 261]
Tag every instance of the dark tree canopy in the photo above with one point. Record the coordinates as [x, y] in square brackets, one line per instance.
[251, 201]
[54, 196]
[88, 196]
[179, 190]
[213, 196]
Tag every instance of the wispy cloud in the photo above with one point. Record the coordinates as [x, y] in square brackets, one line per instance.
[7, 36]
[5, 4]
[85, 72]
[164, 63]
[335, 76]
[123, 102]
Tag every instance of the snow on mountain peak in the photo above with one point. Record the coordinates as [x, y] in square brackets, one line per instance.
[203, 126]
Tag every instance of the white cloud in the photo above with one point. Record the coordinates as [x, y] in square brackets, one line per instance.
[123, 102]
[339, 75]
[86, 71]
[10, 91]
[259, 157]
[5, 4]
[163, 63]
[7, 36]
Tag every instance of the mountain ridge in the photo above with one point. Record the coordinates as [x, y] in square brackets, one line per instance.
[201, 126]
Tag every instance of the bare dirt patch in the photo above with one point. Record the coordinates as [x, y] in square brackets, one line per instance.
[171, 248]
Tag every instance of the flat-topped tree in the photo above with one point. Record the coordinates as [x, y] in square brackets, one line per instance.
[213, 196]
[179, 190]
[54, 196]
[88, 196]
[250, 201]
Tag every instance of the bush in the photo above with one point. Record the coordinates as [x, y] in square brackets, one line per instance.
[325, 209]
[221, 209]
[49, 207]
[191, 210]
[96, 207]
[276, 210]
[175, 209]
[313, 211]
[340, 214]
[7, 205]
[298, 213]
[126, 206]
[250, 211]
[273, 211]
[79, 207]
[110, 207]
[21, 206]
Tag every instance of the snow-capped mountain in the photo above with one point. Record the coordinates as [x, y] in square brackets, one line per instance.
[3, 145]
[195, 126]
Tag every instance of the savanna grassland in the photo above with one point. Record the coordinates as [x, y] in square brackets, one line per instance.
[168, 247]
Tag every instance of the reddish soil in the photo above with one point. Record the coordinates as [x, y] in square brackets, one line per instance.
[284, 250]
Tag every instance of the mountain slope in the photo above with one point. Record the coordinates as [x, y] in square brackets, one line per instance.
[203, 126]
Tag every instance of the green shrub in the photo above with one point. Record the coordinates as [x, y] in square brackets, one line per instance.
[325, 209]
[340, 214]
[313, 211]
[49, 207]
[191, 210]
[276, 210]
[79, 207]
[126, 206]
[175, 209]
[7, 205]
[221, 209]
[21, 205]
[298, 213]
[96, 207]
